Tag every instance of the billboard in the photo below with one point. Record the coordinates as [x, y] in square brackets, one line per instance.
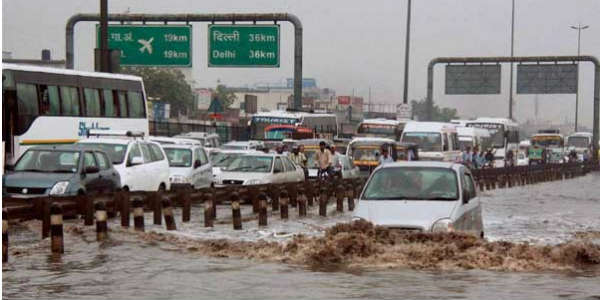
[344, 100]
[547, 79]
[473, 79]
[203, 97]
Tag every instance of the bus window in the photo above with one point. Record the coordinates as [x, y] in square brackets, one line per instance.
[108, 103]
[92, 102]
[70, 101]
[49, 100]
[123, 104]
[27, 99]
[136, 105]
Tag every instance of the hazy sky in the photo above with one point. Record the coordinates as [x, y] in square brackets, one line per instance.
[355, 44]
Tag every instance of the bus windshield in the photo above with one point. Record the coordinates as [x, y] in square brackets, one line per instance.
[496, 132]
[578, 142]
[427, 141]
[377, 129]
[365, 153]
[547, 141]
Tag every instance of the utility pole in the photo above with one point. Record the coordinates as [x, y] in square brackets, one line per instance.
[406, 54]
[104, 53]
[579, 28]
[512, 53]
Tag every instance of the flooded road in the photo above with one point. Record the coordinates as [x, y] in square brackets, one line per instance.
[187, 264]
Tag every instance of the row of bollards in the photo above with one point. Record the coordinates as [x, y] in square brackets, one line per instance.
[95, 210]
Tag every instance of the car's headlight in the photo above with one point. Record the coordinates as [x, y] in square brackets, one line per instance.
[443, 225]
[59, 188]
[179, 179]
[253, 182]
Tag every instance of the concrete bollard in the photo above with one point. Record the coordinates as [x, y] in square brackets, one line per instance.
[293, 192]
[262, 209]
[88, 217]
[156, 207]
[186, 209]
[4, 235]
[310, 193]
[323, 198]
[45, 217]
[274, 193]
[283, 204]
[101, 222]
[125, 207]
[253, 195]
[235, 211]
[138, 213]
[301, 202]
[213, 196]
[208, 211]
[56, 229]
[350, 197]
[167, 210]
[339, 197]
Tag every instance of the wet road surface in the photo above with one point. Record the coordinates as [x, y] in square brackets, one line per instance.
[129, 266]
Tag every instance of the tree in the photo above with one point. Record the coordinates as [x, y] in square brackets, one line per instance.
[444, 114]
[166, 84]
[224, 95]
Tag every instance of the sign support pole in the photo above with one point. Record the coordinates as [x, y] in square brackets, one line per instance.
[276, 17]
[530, 59]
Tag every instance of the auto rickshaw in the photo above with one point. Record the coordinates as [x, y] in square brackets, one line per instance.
[403, 150]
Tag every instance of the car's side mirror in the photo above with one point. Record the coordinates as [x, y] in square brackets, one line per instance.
[137, 160]
[197, 163]
[91, 170]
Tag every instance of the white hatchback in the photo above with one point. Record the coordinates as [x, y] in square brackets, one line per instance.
[142, 165]
[422, 196]
[260, 168]
[188, 166]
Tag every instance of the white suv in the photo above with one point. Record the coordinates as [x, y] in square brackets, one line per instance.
[142, 165]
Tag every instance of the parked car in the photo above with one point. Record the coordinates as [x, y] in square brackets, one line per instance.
[188, 166]
[260, 168]
[209, 141]
[422, 196]
[61, 171]
[143, 165]
[163, 140]
[222, 158]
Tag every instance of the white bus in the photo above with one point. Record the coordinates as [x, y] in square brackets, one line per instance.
[380, 127]
[504, 135]
[279, 125]
[48, 106]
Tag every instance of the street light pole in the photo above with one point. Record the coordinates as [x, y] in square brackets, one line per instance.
[512, 52]
[579, 28]
[406, 54]
[104, 58]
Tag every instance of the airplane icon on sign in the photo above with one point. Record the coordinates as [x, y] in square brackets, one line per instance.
[146, 45]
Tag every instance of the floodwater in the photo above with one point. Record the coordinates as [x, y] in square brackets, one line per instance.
[555, 225]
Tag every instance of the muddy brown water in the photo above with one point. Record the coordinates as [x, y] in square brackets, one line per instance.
[542, 243]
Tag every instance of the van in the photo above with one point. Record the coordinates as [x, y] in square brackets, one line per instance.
[436, 141]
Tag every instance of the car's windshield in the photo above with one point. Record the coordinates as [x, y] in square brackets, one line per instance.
[116, 152]
[578, 141]
[250, 163]
[427, 141]
[365, 153]
[48, 161]
[178, 157]
[222, 159]
[496, 131]
[412, 183]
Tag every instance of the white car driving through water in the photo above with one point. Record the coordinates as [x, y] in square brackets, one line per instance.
[259, 168]
[422, 196]
[188, 166]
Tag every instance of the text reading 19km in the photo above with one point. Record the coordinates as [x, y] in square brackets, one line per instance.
[243, 45]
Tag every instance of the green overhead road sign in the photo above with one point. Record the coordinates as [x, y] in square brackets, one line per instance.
[243, 46]
[151, 45]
